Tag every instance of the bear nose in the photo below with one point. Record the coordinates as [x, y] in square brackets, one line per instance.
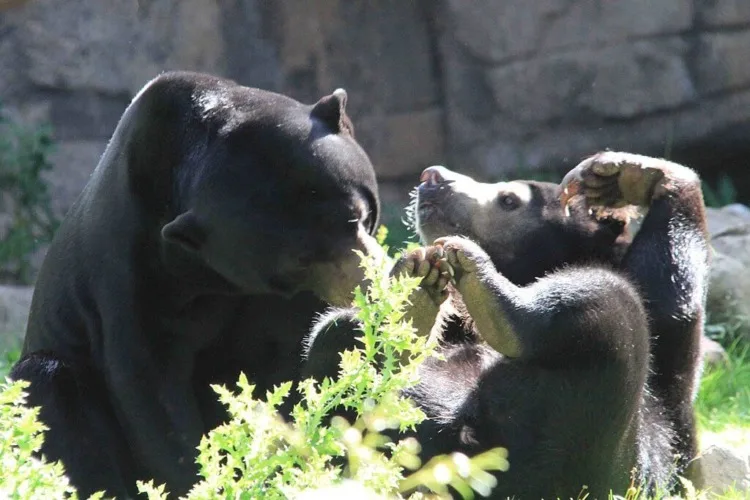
[432, 175]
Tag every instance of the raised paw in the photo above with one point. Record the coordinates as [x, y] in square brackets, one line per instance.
[464, 256]
[430, 265]
[613, 179]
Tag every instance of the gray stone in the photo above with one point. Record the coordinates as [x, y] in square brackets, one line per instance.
[723, 13]
[498, 31]
[9, 4]
[639, 79]
[542, 84]
[724, 468]
[593, 22]
[393, 92]
[468, 98]
[729, 289]
[614, 82]
[401, 145]
[721, 63]
[12, 81]
[564, 144]
[391, 46]
[81, 114]
[250, 56]
[713, 353]
[378, 52]
[731, 219]
[730, 233]
[114, 47]
[541, 90]
[556, 108]
[73, 161]
[15, 302]
[27, 115]
[86, 46]
[739, 210]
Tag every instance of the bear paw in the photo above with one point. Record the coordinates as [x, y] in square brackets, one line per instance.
[613, 179]
[429, 264]
[463, 255]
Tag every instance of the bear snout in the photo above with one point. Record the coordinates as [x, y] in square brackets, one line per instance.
[431, 175]
[434, 181]
[436, 174]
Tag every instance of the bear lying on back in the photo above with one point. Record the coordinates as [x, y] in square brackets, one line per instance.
[565, 341]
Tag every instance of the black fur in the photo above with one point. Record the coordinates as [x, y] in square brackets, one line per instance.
[219, 220]
[565, 340]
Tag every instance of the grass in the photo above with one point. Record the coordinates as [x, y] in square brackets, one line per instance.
[723, 405]
[723, 408]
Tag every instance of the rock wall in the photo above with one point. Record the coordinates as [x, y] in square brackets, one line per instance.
[487, 87]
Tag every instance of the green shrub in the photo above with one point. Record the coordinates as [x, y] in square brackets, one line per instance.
[22, 475]
[24, 157]
[257, 454]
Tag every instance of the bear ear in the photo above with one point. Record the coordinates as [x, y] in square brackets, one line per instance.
[331, 110]
[185, 231]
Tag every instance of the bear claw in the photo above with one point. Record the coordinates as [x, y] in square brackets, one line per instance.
[612, 179]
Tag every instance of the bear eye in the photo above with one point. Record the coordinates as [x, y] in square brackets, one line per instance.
[368, 221]
[509, 201]
[366, 217]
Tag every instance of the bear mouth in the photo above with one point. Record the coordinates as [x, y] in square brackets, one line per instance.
[426, 210]
[427, 216]
[425, 203]
[432, 222]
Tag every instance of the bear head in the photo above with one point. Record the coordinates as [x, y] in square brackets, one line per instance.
[522, 225]
[263, 193]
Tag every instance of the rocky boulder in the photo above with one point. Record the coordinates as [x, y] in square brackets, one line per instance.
[729, 289]
[724, 468]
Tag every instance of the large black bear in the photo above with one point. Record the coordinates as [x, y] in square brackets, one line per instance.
[218, 222]
[565, 339]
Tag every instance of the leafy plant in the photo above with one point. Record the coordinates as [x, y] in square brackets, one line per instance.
[257, 453]
[24, 157]
[23, 474]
